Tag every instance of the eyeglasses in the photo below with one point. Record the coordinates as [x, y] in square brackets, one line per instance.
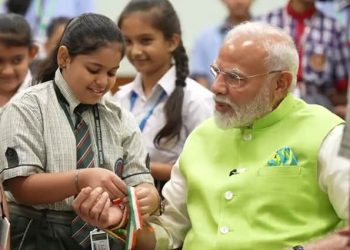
[233, 79]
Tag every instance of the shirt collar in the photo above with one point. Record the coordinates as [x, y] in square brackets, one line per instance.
[303, 15]
[225, 27]
[166, 83]
[67, 93]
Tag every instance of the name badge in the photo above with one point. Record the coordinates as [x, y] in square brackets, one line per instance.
[4, 232]
[99, 240]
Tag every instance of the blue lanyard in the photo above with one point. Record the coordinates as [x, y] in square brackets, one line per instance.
[144, 120]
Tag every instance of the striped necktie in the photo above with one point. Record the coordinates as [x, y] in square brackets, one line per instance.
[85, 155]
[85, 159]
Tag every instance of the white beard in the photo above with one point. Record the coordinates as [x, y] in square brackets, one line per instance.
[244, 115]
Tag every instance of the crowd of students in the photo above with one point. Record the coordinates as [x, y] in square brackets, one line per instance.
[68, 150]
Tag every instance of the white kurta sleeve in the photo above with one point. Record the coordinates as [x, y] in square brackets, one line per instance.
[334, 172]
[172, 226]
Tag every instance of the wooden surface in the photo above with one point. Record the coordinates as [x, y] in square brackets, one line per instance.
[121, 80]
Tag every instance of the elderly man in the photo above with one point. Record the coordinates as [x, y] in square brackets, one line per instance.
[264, 173]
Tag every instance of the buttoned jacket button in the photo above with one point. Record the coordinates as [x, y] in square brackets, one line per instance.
[228, 195]
[247, 137]
[224, 230]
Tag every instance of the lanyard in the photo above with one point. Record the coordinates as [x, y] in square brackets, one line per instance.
[63, 103]
[42, 17]
[144, 120]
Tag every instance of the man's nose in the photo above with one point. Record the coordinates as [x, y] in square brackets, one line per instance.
[219, 86]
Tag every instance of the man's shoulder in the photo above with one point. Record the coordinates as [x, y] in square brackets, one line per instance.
[208, 32]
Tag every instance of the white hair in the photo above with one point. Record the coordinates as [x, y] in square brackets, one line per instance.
[282, 53]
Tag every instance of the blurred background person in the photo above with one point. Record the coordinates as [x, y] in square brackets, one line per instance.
[39, 13]
[54, 32]
[16, 53]
[206, 47]
[323, 51]
[53, 35]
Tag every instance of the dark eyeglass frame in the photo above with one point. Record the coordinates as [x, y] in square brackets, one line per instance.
[234, 80]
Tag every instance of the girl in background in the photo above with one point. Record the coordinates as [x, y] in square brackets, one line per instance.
[16, 53]
[166, 103]
[45, 130]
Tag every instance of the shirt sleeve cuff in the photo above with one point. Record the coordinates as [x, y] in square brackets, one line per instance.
[162, 238]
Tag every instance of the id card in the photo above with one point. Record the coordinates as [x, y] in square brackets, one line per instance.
[4, 232]
[99, 240]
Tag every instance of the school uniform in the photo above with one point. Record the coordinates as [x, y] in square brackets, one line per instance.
[37, 137]
[198, 105]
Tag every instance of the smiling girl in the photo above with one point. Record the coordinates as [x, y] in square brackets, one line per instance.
[166, 103]
[62, 135]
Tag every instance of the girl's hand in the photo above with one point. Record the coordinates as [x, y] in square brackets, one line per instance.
[148, 198]
[95, 208]
[100, 177]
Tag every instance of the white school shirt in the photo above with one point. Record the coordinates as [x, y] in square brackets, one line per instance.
[198, 105]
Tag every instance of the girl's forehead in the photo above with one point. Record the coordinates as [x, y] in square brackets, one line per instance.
[143, 16]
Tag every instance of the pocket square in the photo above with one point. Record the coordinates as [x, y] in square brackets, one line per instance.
[283, 157]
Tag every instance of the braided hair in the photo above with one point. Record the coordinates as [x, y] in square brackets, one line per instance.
[165, 19]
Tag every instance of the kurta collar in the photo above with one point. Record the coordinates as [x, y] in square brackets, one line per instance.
[277, 114]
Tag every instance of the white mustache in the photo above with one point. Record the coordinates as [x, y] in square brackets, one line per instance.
[225, 100]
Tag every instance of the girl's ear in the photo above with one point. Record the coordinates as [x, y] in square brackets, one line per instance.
[174, 42]
[33, 51]
[63, 57]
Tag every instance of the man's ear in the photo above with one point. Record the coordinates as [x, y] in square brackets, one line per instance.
[63, 57]
[174, 42]
[282, 86]
[283, 83]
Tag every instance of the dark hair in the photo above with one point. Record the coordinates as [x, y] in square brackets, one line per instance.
[14, 30]
[55, 23]
[18, 6]
[83, 35]
[163, 17]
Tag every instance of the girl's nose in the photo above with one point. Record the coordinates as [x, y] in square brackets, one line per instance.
[6, 69]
